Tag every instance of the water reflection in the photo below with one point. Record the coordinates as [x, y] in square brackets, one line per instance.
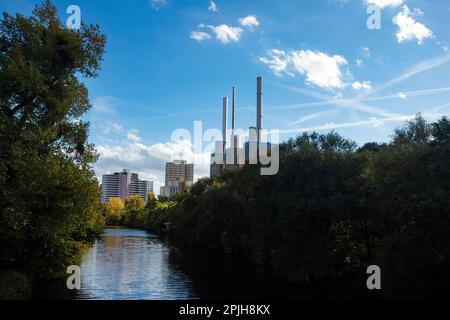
[131, 264]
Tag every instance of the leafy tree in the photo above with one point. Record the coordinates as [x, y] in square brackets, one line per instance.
[163, 199]
[331, 211]
[135, 213]
[152, 201]
[49, 196]
[114, 211]
[415, 131]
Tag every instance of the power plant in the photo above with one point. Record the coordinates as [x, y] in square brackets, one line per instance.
[228, 154]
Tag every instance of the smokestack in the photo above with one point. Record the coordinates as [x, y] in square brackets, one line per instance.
[259, 105]
[233, 119]
[225, 122]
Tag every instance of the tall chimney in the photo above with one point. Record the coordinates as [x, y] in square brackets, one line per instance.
[225, 122]
[259, 106]
[233, 116]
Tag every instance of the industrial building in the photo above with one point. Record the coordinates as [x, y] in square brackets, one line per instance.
[228, 153]
[124, 184]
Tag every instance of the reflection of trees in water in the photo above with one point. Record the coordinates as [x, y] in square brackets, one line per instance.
[112, 242]
[221, 276]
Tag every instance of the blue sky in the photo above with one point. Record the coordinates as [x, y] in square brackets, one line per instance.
[168, 63]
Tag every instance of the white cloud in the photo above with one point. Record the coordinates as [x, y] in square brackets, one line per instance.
[359, 62]
[366, 51]
[385, 3]
[105, 104]
[111, 128]
[200, 36]
[157, 4]
[226, 34]
[313, 116]
[149, 160]
[401, 95]
[133, 137]
[366, 85]
[249, 21]
[213, 7]
[409, 29]
[278, 61]
[319, 68]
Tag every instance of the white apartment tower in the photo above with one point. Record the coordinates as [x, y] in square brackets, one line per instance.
[124, 184]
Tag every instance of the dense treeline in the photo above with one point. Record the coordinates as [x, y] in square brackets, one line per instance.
[49, 197]
[134, 212]
[332, 211]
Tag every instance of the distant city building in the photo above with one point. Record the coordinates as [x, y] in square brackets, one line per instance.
[124, 184]
[179, 176]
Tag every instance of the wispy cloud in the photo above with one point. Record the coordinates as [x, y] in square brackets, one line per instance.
[157, 4]
[413, 71]
[365, 85]
[374, 122]
[200, 36]
[105, 104]
[407, 94]
[313, 116]
[345, 103]
[213, 7]
[385, 3]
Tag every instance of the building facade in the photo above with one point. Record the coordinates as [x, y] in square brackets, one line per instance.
[179, 176]
[124, 184]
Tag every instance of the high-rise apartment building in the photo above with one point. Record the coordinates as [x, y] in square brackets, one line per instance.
[124, 184]
[179, 176]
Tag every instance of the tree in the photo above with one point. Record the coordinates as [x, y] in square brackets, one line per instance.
[333, 210]
[114, 211]
[135, 213]
[152, 201]
[415, 131]
[49, 196]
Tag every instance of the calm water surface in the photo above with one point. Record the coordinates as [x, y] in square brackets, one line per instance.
[132, 264]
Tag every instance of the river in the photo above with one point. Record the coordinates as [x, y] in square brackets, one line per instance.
[131, 264]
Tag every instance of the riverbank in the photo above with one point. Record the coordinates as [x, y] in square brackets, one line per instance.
[15, 285]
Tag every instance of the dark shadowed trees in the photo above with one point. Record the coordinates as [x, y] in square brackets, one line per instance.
[49, 196]
[333, 210]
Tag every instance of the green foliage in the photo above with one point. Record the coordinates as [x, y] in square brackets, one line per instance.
[114, 211]
[49, 196]
[135, 213]
[157, 217]
[333, 210]
[152, 201]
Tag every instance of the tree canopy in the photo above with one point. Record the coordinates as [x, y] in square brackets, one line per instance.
[49, 196]
[332, 211]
